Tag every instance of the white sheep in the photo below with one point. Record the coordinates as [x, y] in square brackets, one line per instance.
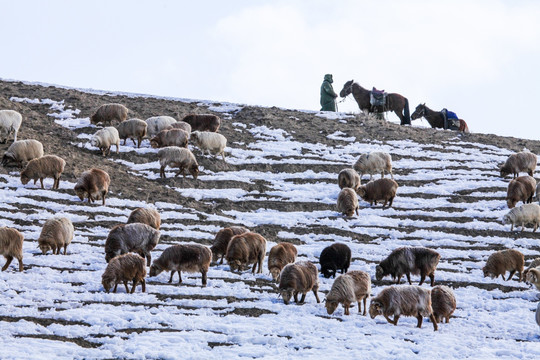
[10, 122]
[105, 138]
[210, 141]
[132, 128]
[524, 214]
[157, 123]
[348, 288]
[182, 158]
[22, 151]
[374, 163]
[57, 232]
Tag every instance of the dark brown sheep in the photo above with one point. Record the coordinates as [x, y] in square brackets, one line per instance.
[188, 258]
[280, 255]
[407, 260]
[502, 261]
[124, 268]
[245, 249]
[108, 113]
[520, 189]
[333, 258]
[443, 302]
[93, 184]
[298, 278]
[222, 239]
[203, 122]
[136, 237]
[379, 190]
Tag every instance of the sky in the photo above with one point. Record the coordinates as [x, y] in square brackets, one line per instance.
[476, 58]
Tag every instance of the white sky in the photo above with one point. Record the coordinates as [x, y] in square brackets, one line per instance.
[477, 58]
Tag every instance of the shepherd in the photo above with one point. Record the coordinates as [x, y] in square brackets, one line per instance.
[328, 95]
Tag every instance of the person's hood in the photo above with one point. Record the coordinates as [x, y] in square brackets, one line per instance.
[328, 77]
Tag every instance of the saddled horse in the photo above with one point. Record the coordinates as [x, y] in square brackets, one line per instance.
[435, 118]
[394, 102]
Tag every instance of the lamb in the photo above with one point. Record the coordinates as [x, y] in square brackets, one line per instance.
[133, 129]
[379, 190]
[348, 288]
[209, 141]
[189, 258]
[203, 122]
[157, 123]
[502, 261]
[136, 237]
[443, 302]
[44, 167]
[244, 249]
[105, 138]
[107, 113]
[533, 264]
[408, 300]
[347, 202]
[57, 232]
[93, 184]
[10, 122]
[181, 158]
[300, 277]
[22, 151]
[11, 246]
[524, 214]
[348, 178]
[407, 260]
[222, 239]
[521, 161]
[520, 189]
[333, 258]
[180, 125]
[373, 163]
[533, 277]
[173, 137]
[280, 255]
[124, 268]
[145, 216]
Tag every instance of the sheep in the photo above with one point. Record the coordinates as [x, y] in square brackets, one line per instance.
[57, 232]
[44, 167]
[536, 197]
[124, 268]
[180, 125]
[538, 314]
[10, 122]
[222, 239]
[373, 163]
[502, 261]
[379, 190]
[408, 300]
[22, 151]
[533, 277]
[157, 123]
[93, 184]
[348, 178]
[145, 216]
[133, 129]
[533, 264]
[521, 161]
[11, 246]
[300, 277]
[189, 258]
[348, 288]
[105, 138]
[333, 258]
[407, 260]
[280, 255]
[244, 249]
[181, 158]
[173, 137]
[208, 141]
[524, 214]
[203, 122]
[136, 237]
[520, 189]
[108, 112]
[347, 202]
[443, 303]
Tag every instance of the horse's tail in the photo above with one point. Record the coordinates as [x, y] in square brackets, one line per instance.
[406, 113]
[463, 126]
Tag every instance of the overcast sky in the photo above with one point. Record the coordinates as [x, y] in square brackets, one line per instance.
[479, 59]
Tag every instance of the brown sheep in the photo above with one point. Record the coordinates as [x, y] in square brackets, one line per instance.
[245, 249]
[280, 255]
[44, 167]
[379, 190]
[11, 243]
[521, 161]
[188, 258]
[347, 202]
[502, 261]
[146, 216]
[443, 302]
[298, 278]
[348, 178]
[93, 184]
[407, 260]
[222, 239]
[132, 128]
[173, 137]
[124, 268]
[520, 189]
[203, 122]
[57, 232]
[348, 288]
[109, 112]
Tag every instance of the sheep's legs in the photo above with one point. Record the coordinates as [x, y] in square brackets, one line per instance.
[143, 282]
[420, 319]
[409, 279]
[179, 277]
[57, 250]
[203, 273]
[162, 172]
[398, 280]
[20, 264]
[303, 298]
[9, 259]
[511, 274]
[396, 318]
[172, 273]
[126, 285]
[432, 277]
[434, 321]
[365, 306]
[65, 249]
[422, 278]
[296, 297]
[316, 295]
[391, 202]
[115, 287]
[135, 282]
[346, 309]
[41, 181]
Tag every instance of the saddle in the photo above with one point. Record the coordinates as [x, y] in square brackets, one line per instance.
[450, 119]
[377, 97]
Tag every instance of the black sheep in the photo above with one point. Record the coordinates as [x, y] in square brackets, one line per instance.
[406, 260]
[333, 258]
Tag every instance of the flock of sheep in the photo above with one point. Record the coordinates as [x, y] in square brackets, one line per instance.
[128, 246]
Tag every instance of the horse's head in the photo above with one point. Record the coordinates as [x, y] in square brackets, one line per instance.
[419, 112]
[347, 89]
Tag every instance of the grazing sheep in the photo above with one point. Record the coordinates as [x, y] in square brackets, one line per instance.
[280, 255]
[407, 300]
[333, 258]
[57, 232]
[189, 258]
[244, 249]
[533, 277]
[10, 122]
[536, 197]
[173, 137]
[133, 129]
[533, 264]
[182, 158]
[11, 246]
[145, 216]
[222, 239]
[105, 138]
[180, 125]
[157, 123]
[374, 163]
[136, 237]
[93, 184]
[348, 178]
[43, 167]
[502, 261]
[22, 151]
[379, 190]
[407, 260]
[521, 161]
[538, 314]
[298, 278]
[203, 122]
[107, 113]
[124, 268]
[347, 202]
[524, 214]
[443, 302]
[520, 189]
[212, 142]
[348, 288]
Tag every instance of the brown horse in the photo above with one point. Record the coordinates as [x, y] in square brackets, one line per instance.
[435, 118]
[394, 102]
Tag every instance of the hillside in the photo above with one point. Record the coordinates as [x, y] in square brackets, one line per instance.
[280, 180]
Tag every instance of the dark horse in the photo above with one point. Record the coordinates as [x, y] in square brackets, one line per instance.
[394, 102]
[435, 118]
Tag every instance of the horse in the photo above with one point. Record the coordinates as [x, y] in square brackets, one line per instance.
[435, 118]
[394, 102]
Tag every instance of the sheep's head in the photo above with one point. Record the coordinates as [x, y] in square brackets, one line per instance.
[81, 193]
[488, 273]
[375, 308]
[24, 179]
[7, 159]
[286, 294]
[110, 255]
[154, 142]
[329, 271]
[504, 171]
[194, 170]
[349, 212]
[95, 141]
[108, 283]
[531, 277]
[275, 273]
[155, 270]
[379, 272]
[194, 135]
[507, 219]
[361, 191]
[331, 306]
[511, 203]
[235, 265]
[215, 256]
[44, 247]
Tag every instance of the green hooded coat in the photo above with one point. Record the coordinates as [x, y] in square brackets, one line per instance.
[328, 96]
